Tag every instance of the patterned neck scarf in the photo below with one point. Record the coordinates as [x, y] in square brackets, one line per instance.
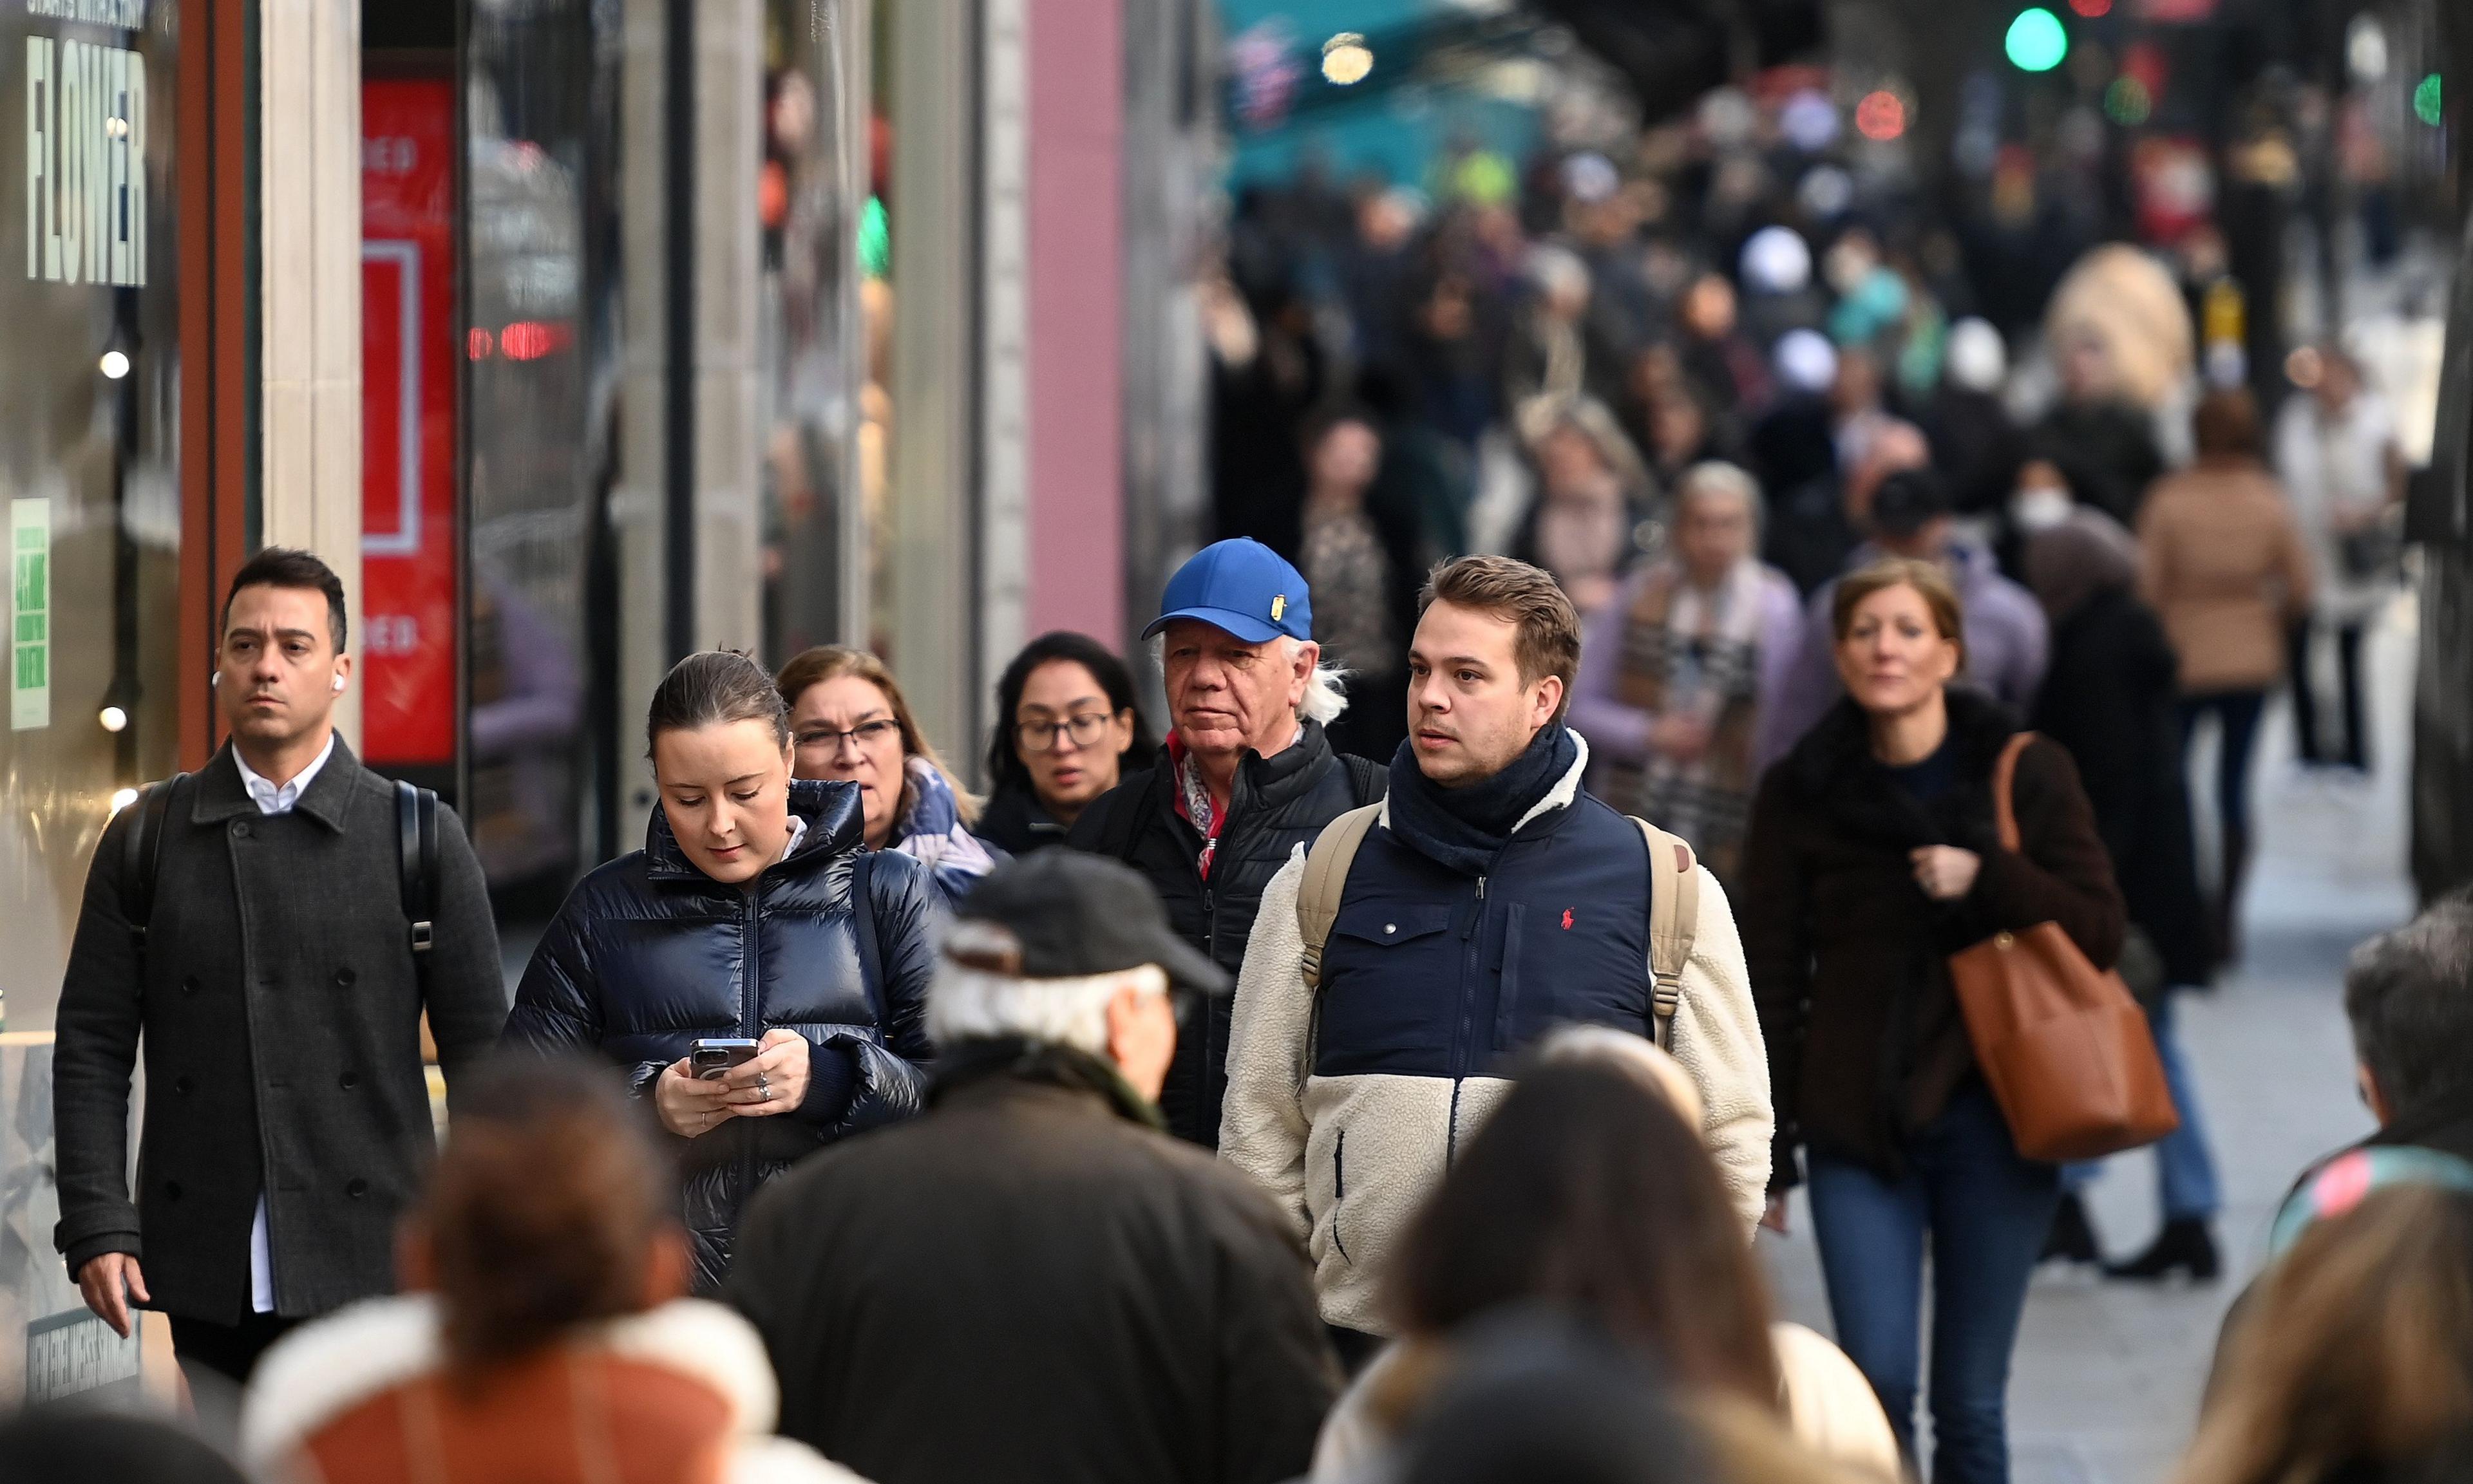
[1194, 803]
[1690, 652]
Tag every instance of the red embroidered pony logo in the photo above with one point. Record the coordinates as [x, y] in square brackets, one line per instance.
[1566, 919]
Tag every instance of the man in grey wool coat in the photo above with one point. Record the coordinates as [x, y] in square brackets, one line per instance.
[274, 985]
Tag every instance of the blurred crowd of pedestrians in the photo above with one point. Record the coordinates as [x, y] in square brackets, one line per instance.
[1656, 623]
[1498, 1098]
[1566, 362]
[1699, 389]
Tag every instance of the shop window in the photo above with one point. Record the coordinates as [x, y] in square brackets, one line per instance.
[89, 493]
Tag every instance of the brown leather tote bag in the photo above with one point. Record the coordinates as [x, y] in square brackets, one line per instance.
[2065, 1048]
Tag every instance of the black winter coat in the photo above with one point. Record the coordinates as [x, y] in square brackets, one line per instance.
[1850, 960]
[2109, 698]
[1277, 804]
[1016, 822]
[2106, 450]
[649, 954]
[1030, 1283]
[280, 1019]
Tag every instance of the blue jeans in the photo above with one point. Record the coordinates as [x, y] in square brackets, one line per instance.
[2186, 1185]
[1984, 1212]
[2237, 712]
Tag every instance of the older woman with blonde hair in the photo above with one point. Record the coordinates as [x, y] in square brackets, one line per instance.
[849, 720]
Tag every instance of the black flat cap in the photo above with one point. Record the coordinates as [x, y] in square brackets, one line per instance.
[1068, 915]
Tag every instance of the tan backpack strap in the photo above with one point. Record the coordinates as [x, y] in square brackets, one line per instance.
[2004, 781]
[1326, 876]
[1673, 919]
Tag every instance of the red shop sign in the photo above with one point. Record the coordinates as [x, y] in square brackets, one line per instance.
[408, 535]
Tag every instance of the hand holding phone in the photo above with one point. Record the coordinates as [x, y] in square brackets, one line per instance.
[775, 1082]
[710, 1060]
[691, 1094]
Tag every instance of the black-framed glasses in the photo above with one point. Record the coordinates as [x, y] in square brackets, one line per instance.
[866, 734]
[1085, 730]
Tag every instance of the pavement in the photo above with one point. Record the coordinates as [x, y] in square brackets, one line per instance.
[2108, 1377]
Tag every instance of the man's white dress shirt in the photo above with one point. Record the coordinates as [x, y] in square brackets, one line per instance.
[272, 799]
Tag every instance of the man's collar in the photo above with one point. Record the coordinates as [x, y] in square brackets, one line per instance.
[327, 796]
[1296, 734]
[977, 1067]
[254, 783]
[1178, 751]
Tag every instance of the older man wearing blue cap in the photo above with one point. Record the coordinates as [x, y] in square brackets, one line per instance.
[1246, 776]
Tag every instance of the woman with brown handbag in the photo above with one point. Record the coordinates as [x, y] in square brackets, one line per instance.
[1874, 857]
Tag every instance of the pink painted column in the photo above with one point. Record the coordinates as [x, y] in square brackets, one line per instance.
[1075, 332]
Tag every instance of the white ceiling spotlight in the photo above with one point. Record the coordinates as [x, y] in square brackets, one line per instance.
[1346, 59]
[2365, 49]
[115, 365]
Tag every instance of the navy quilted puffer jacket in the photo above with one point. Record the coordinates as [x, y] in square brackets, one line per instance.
[649, 954]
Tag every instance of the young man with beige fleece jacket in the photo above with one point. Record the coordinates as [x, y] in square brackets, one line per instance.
[1493, 901]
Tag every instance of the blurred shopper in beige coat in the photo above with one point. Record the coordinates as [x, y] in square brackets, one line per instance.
[2225, 566]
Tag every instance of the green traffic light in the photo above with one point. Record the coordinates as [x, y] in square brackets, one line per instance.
[875, 239]
[2429, 102]
[2036, 41]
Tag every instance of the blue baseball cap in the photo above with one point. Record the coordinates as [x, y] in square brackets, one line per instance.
[1240, 586]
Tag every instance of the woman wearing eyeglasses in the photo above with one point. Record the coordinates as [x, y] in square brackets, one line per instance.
[848, 720]
[1066, 724]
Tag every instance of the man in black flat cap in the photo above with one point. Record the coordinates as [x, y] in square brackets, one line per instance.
[1033, 1270]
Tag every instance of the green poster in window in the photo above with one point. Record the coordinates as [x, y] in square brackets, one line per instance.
[30, 607]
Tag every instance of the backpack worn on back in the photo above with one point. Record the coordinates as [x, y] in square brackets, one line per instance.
[1674, 905]
[415, 819]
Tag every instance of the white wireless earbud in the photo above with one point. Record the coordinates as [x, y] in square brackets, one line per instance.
[339, 683]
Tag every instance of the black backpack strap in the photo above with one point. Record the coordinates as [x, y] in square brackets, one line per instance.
[141, 858]
[871, 955]
[416, 823]
[1367, 779]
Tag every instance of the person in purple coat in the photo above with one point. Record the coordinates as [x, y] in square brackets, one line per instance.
[1679, 672]
[2008, 640]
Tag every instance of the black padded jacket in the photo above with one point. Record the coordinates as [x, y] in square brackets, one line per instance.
[1277, 804]
[649, 954]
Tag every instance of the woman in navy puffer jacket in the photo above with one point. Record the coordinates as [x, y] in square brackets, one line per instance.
[754, 912]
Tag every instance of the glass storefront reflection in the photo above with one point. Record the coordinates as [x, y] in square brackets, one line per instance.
[540, 86]
[89, 501]
[806, 343]
[876, 310]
